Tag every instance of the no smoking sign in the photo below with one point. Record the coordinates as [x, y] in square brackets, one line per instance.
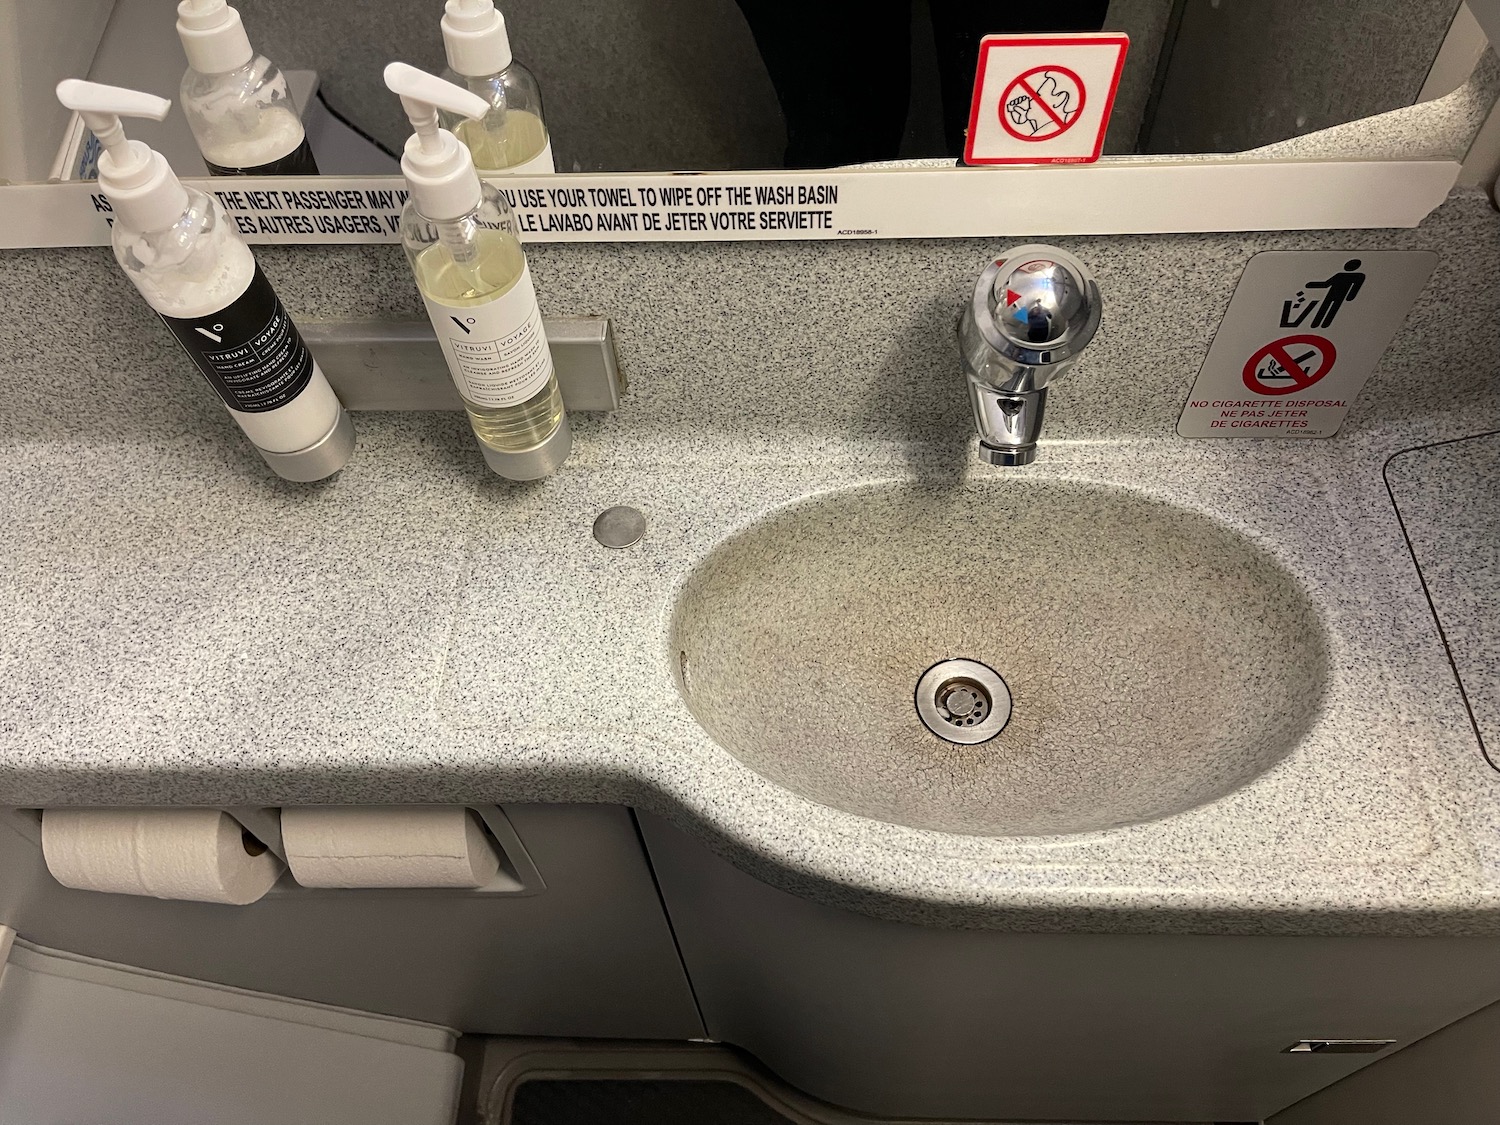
[1266, 375]
[1044, 99]
[1289, 365]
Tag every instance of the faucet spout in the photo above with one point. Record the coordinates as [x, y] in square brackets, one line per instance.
[1009, 423]
[1034, 310]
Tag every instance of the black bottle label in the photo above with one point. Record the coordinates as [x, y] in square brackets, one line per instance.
[249, 351]
[298, 162]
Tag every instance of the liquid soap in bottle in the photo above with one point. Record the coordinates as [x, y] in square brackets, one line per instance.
[510, 139]
[184, 255]
[236, 102]
[461, 239]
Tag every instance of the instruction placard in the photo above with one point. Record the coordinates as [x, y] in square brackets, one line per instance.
[1044, 99]
[555, 209]
[1303, 333]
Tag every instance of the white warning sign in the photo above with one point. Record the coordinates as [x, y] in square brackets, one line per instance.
[1303, 333]
[1044, 99]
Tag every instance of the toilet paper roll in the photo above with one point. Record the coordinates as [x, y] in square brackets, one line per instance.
[406, 846]
[199, 855]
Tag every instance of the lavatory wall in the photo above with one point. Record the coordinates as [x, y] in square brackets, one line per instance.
[783, 343]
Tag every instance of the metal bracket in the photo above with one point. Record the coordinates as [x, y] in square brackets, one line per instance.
[399, 365]
[1338, 1046]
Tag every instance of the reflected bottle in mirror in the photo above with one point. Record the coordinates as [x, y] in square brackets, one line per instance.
[236, 102]
[511, 139]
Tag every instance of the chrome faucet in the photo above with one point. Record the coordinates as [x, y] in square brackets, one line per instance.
[1035, 309]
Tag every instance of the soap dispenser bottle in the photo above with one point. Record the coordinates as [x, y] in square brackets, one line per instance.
[236, 101]
[461, 239]
[510, 139]
[181, 251]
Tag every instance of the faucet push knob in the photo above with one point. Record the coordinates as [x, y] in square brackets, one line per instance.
[1034, 310]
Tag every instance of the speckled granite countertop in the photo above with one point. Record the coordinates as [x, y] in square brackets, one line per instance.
[177, 627]
[182, 630]
[1448, 496]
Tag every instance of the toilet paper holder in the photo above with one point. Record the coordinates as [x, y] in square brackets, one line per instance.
[517, 877]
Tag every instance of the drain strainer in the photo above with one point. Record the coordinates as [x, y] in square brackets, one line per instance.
[963, 701]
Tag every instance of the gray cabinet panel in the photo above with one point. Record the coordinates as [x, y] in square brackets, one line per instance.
[1451, 1078]
[592, 955]
[904, 1020]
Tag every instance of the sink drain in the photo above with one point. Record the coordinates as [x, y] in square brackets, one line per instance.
[963, 701]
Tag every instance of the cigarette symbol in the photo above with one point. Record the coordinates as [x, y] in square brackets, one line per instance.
[210, 335]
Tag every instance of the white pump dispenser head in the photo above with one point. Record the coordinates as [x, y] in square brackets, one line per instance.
[475, 38]
[437, 166]
[144, 191]
[213, 36]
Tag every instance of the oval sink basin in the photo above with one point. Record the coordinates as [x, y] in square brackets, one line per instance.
[1154, 659]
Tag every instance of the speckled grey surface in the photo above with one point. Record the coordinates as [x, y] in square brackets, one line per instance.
[176, 627]
[1449, 499]
[1155, 662]
[1442, 128]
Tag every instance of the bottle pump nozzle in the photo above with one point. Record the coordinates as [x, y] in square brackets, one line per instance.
[423, 94]
[101, 108]
[474, 37]
[137, 179]
[437, 166]
[204, 13]
[213, 36]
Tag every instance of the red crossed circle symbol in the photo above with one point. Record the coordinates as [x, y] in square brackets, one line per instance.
[1287, 357]
[1024, 84]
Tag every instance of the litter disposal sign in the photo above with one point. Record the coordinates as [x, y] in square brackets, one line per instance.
[1303, 333]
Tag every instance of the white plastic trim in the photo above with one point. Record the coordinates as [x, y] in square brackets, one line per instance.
[1111, 197]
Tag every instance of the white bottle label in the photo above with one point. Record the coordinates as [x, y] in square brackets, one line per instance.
[539, 165]
[497, 352]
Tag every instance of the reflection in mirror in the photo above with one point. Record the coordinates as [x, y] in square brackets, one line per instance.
[236, 100]
[666, 85]
[1239, 75]
[844, 75]
[510, 139]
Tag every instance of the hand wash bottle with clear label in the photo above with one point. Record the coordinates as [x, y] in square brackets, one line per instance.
[510, 139]
[236, 102]
[181, 251]
[461, 239]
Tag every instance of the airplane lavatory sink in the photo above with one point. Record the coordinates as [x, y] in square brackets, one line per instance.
[999, 658]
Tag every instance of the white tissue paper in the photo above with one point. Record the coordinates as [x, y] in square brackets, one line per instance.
[404, 846]
[199, 855]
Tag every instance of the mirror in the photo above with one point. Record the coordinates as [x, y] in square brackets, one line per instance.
[660, 85]
[1208, 130]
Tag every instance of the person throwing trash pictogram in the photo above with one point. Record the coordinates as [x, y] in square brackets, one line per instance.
[1343, 286]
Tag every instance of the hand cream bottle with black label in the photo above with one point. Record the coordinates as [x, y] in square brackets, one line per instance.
[181, 251]
[461, 239]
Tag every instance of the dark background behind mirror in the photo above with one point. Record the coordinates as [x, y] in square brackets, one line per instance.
[654, 85]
